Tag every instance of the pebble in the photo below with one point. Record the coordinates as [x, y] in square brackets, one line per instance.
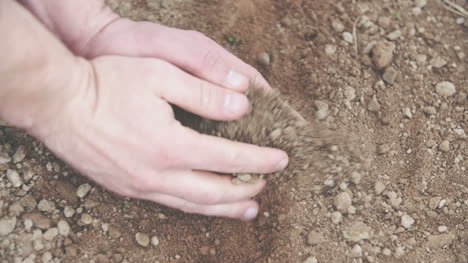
[356, 252]
[86, 219]
[438, 62]
[374, 105]
[439, 241]
[142, 239]
[114, 232]
[383, 149]
[68, 211]
[311, 260]
[264, 59]
[337, 26]
[4, 158]
[430, 110]
[349, 93]
[63, 228]
[7, 225]
[14, 178]
[420, 3]
[336, 217]
[356, 177]
[322, 109]
[314, 238]
[83, 190]
[395, 35]
[383, 21]
[50, 234]
[434, 202]
[445, 89]
[330, 50]
[442, 229]
[382, 54]
[442, 203]
[390, 75]
[407, 113]
[46, 206]
[46, 257]
[379, 187]
[39, 220]
[155, 241]
[356, 231]
[399, 252]
[407, 221]
[444, 146]
[387, 252]
[342, 202]
[19, 154]
[348, 37]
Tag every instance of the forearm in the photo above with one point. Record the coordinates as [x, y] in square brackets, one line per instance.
[89, 18]
[38, 73]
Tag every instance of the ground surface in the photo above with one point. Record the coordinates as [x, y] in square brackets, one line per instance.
[410, 206]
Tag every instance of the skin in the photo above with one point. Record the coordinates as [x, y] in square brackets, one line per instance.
[95, 88]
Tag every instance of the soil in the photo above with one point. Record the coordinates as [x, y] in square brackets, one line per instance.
[390, 76]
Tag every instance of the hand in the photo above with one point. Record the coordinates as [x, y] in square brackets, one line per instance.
[92, 29]
[120, 131]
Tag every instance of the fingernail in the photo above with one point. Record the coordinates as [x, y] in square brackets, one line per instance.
[235, 102]
[235, 80]
[282, 164]
[250, 213]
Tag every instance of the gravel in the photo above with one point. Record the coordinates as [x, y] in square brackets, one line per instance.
[264, 59]
[336, 217]
[142, 239]
[19, 154]
[390, 75]
[83, 190]
[315, 238]
[382, 54]
[154, 241]
[7, 225]
[46, 206]
[444, 146]
[445, 89]
[407, 221]
[14, 178]
[343, 202]
[356, 231]
[63, 228]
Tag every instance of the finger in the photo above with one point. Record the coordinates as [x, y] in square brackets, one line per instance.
[189, 50]
[201, 97]
[200, 187]
[211, 153]
[246, 210]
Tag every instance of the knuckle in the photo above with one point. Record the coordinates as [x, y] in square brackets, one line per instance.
[211, 60]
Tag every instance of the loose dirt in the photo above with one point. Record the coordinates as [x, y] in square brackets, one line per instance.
[379, 161]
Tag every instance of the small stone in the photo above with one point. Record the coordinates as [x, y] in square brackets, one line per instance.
[7, 225]
[442, 229]
[379, 187]
[383, 149]
[356, 231]
[264, 59]
[390, 75]
[337, 25]
[68, 211]
[46, 206]
[19, 154]
[430, 110]
[416, 11]
[245, 177]
[142, 239]
[16, 209]
[349, 93]
[14, 178]
[356, 252]
[348, 37]
[420, 3]
[336, 217]
[356, 177]
[154, 241]
[383, 22]
[374, 105]
[439, 241]
[382, 54]
[407, 221]
[445, 89]
[63, 228]
[46, 257]
[4, 158]
[442, 203]
[330, 50]
[407, 113]
[28, 223]
[387, 252]
[114, 232]
[86, 219]
[430, 143]
[314, 238]
[322, 109]
[311, 260]
[342, 202]
[434, 202]
[205, 250]
[399, 252]
[50, 234]
[438, 62]
[275, 134]
[39, 220]
[83, 190]
[444, 146]
[395, 35]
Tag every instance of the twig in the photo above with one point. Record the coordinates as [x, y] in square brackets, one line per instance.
[454, 8]
[355, 35]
